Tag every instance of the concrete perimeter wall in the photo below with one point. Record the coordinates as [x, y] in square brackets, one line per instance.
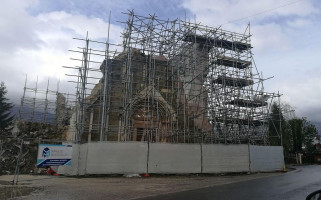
[225, 158]
[116, 158]
[166, 158]
[78, 162]
[266, 158]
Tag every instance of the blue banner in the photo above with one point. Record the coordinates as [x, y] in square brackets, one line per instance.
[54, 155]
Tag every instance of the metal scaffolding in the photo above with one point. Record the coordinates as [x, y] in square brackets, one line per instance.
[44, 105]
[170, 81]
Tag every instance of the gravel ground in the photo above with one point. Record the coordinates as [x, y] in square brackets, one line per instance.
[32, 187]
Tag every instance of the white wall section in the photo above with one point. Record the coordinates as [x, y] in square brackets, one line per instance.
[266, 158]
[225, 158]
[116, 158]
[165, 158]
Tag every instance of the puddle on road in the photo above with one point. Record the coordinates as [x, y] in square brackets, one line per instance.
[8, 192]
[10, 183]
[5, 183]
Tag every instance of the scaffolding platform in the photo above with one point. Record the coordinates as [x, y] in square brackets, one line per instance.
[248, 122]
[247, 103]
[217, 42]
[232, 62]
[234, 82]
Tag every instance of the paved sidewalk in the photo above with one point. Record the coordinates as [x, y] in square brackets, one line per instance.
[52, 187]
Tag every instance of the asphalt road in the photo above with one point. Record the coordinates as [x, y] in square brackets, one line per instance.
[292, 185]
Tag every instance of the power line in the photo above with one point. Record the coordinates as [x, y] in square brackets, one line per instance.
[262, 12]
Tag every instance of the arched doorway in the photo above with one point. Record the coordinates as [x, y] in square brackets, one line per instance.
[151, 120]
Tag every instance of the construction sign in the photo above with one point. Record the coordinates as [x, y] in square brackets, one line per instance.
[54, 155]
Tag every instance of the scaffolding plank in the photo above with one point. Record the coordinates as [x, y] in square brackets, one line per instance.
[248, 122]
[217, 42]
[230, 81]
[247, 103]
[232, 62]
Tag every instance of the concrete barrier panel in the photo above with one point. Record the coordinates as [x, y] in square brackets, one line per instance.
[82, 162]
[225, 158]
[116, 158]
[71, 170]
[174, 158]
[266, 158]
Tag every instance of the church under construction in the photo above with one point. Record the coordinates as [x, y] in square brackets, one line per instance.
[171, 81]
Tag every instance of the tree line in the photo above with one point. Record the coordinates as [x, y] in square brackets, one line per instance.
[294, 134]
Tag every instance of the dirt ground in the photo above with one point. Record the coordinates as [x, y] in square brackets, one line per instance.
[33, 187]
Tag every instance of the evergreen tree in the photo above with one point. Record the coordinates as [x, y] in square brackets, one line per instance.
[303, 133]
[309, 132]
[5, 109]
[296, 132]
[296, 127]
[274, 125]
[276, 116]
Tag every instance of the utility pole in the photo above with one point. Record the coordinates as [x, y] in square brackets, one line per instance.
[280, 120]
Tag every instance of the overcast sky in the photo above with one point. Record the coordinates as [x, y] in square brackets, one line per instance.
[36, 35]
